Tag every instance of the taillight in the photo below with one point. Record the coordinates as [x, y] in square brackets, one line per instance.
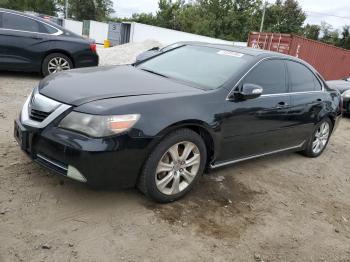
[93, 47]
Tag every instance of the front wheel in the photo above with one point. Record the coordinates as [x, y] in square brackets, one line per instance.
[174, 166]
[320, 138]
[56, 62]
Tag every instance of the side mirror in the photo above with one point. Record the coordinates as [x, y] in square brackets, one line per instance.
[156, 48]
[250, 91]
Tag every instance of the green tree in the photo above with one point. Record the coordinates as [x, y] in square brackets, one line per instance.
[144, 18]
[329, 36]
[98, 10]
[48, 7]
[168, 12]
[345, 40]
[285, 17]
[312, 31]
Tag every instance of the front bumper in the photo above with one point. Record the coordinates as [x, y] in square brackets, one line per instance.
[115, 161]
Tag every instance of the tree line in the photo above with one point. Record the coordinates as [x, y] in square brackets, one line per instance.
[225, 19]
[99, 10]
[233, 19]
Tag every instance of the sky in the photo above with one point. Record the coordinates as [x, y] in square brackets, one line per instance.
[317, 10]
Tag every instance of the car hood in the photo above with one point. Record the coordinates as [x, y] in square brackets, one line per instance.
[77, 87]
[340, 85]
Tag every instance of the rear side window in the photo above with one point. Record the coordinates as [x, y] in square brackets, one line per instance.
[270, 75]
[301, 78]
[17, 22]
[318, 86]
[44, 28]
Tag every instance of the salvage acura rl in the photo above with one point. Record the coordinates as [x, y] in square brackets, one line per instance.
[158, 124]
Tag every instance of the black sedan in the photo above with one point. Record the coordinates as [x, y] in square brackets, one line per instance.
[158, 124]
[29, 43]
[343, 86]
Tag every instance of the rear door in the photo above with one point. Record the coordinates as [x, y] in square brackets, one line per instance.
[257, 126]
[307, 99]
[22, 41]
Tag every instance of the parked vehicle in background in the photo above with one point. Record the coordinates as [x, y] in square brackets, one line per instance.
[158, 124]
[343, 86]
[29, 43]
[332, 62]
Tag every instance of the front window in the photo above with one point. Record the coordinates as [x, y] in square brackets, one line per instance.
[205, 67]
[270, 75]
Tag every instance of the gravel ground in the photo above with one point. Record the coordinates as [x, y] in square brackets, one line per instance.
[125, 53]
[277, 208]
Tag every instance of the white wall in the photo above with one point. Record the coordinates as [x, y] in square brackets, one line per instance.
[74, 26]
[142, 32]
[98, 31]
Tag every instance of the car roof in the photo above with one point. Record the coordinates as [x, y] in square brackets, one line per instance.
[241, 49]
[255, 52]
[33, 17]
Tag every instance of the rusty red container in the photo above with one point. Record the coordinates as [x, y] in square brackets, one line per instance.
[332, 62]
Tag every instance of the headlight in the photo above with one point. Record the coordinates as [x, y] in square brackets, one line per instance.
[346, 94]
[98, 126]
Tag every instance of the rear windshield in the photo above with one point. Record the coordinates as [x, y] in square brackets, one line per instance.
[206, 67]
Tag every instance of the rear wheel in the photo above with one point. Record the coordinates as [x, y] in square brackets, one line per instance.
[320, 138]
[56, 62]
[174, 166]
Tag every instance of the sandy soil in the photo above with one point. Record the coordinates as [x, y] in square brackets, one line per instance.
[278, 208]
[124, 54]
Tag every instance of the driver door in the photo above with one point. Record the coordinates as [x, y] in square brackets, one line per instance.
[261, 125]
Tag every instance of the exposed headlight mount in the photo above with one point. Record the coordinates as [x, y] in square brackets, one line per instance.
[97, 125]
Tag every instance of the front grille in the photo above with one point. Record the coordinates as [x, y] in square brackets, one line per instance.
[37, 115]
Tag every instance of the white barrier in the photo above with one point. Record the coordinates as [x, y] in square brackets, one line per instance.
[143, 32]
[98, 31]
[74, 26]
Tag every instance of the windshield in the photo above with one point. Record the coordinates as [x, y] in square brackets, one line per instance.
[206, 67]
[172, 46]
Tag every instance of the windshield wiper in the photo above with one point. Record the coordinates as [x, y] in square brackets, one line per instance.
[152, 72]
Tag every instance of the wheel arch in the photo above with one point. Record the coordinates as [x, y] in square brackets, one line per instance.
[201, 128]
[60, 51]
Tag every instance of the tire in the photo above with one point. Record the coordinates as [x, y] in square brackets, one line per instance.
[151, 181]
[310, 151]
[51, 60]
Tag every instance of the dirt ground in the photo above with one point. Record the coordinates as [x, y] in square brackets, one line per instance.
[277, 208]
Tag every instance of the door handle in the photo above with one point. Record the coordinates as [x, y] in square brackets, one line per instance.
[281, 105]
[318, 100]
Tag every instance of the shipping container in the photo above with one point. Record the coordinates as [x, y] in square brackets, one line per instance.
[332, 62]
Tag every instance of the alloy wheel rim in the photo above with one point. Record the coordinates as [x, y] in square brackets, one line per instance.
[321, 138]
[58, 64]
[177, 168]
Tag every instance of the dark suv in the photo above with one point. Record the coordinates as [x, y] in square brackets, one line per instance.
[29, 43]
